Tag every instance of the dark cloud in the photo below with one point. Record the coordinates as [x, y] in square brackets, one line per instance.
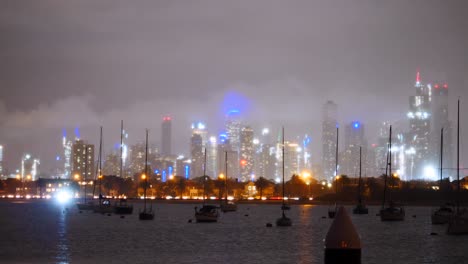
[91, 63]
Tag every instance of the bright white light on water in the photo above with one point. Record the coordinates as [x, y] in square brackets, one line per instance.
[63, 196]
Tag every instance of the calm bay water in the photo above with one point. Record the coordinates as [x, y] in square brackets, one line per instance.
[45, 232]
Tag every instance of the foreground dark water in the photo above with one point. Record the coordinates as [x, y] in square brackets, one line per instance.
[44, 232]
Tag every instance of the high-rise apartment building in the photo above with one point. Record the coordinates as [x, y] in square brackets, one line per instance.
[82, 160]
[329, 124]
[166, 136]
[246, 153]
[197, 155]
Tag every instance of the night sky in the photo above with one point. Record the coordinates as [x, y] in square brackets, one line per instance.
[87, 63]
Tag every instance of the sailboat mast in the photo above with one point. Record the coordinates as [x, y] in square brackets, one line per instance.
[146, 169]
[336, 162]
[458, 157]
[226, 174]
[390, 158]
[283, 163]
[386, 170]
[441, 156]
[121, 148]
[204, 178]
[359, 185]
[100, 164]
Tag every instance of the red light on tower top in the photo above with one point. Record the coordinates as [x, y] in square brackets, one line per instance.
[167, 118]
[436, 86]
[417, 77]
[446, 86]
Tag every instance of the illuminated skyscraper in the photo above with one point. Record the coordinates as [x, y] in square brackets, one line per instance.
[111, 165]
[329, 124]
[292, 162]
[211, 157]
[354, 138]
[197, 155]
[246, 153]
[29, 168]
[233, 129]
[166, 136]
[200, 129]
[419, 116]
[83, 160]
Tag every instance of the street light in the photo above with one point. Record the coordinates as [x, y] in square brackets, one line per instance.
[143, 177]
[77, 176]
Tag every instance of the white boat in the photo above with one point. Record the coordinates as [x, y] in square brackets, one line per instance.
[458, 224]
[392, 212]
[283, 220]
[207, 213]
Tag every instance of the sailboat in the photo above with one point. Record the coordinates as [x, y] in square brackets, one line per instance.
[85, 205]
[360, 207]
[104, 206]
[283, 220]
[458, 224]
[332, 211]
[443, 214]
[147, 213]
[227, 206]
[392, 212]
[208, 213]
[122, 207]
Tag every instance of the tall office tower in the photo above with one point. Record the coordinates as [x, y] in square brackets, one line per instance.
[197, 155]
[439, 120]
[111, 164]
[83, 160]
[246, 153]
[29, 168]
[1, 161]
[354, 138]
[233, 129]
[264, 164]
[211, 157]
[199, 128]
[419, 116]
[292, 162]
[306, 153]
[166, 136]
[67, 150]
[137, 158]
[329, 124]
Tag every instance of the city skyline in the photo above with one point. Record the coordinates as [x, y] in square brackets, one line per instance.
[276, 70]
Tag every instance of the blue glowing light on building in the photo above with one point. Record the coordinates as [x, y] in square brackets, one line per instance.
[187, 171]
[64, 132]
[156, 171]
[235, 103]
[356, 125]
[169, 170]
[163, 176]
[306, 141]
[223, 137]
[77, 132]
[57, 158]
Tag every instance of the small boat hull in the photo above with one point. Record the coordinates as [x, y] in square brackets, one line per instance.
[206, 214]
[229, 207]
[392, 214]
[458, 224]
[360, 209]
[285, 207]
[104, 207]
[146, 215]
[442, 215]
[283, 221]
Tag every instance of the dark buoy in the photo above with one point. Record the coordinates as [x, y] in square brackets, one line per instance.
[342, 243]
[269, 225]
[108, 214]
[324, 217]
[433, 234]
[414, 216]
[246, 215]
[122, 216]
[81, 212]
[190, 220]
